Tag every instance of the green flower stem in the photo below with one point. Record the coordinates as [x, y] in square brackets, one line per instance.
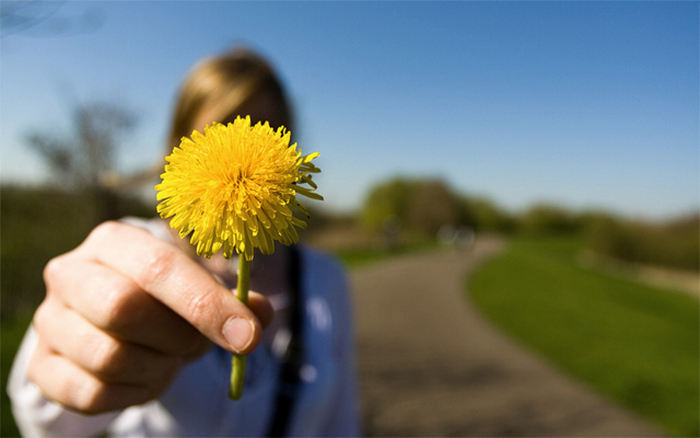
[239, 360]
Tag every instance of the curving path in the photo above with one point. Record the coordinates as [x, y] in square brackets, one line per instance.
[430, 365]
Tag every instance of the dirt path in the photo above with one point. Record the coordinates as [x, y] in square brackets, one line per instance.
[430, 365]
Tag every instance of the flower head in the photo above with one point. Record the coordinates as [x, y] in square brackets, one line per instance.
[235, 187]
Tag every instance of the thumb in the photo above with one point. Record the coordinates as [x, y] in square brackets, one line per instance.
[169, 275]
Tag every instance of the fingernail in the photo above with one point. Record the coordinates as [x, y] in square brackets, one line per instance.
[238, 332]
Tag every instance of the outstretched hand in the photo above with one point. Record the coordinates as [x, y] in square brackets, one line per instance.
[123, 312]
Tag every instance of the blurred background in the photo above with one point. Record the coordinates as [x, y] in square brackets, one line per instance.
[567, 131]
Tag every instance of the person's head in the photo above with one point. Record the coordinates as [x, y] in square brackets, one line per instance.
[217, 89]
[237, 83]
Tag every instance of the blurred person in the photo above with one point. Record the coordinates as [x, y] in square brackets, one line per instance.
[135, 334]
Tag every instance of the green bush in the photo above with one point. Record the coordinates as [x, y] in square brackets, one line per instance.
[39, 224]
[484, 216]
[423, 206]
[387, 199]
[548, 219]
[674, 244]
[432, 206]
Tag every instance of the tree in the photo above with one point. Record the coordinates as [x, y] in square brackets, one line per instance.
[432, 206]
[417, 205]
[80, 161]
[387, 201]
[548, 219]
[483, 215]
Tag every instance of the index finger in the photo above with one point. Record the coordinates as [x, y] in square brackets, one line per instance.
[169, 275]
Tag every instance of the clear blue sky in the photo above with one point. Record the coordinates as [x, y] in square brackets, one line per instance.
[584, 104]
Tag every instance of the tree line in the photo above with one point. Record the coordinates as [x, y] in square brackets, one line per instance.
[423, 206]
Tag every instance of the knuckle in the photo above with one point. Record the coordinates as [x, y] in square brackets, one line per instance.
[35, 365]
[104, 231]
[89, 396]
[157, 265]
[82, 394]
[95, 397]
[53, 269]
[123, 309]
[110, 360]
[40, 317]
[201, 306]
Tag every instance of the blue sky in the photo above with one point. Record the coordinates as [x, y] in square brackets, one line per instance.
[584, 104]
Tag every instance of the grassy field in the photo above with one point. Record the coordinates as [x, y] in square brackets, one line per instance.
[637, 344]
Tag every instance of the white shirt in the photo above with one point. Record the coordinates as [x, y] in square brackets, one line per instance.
[197, 403]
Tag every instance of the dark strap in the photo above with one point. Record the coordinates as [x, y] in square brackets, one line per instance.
[289, 380]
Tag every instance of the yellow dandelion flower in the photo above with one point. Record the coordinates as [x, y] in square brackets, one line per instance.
[234, 188]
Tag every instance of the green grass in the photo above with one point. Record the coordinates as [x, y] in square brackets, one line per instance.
[355, 257]
[637, 344]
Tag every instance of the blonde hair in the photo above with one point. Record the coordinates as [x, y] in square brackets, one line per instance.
[222, 85]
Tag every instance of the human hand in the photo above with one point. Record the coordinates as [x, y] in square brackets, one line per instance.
[123, 312]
